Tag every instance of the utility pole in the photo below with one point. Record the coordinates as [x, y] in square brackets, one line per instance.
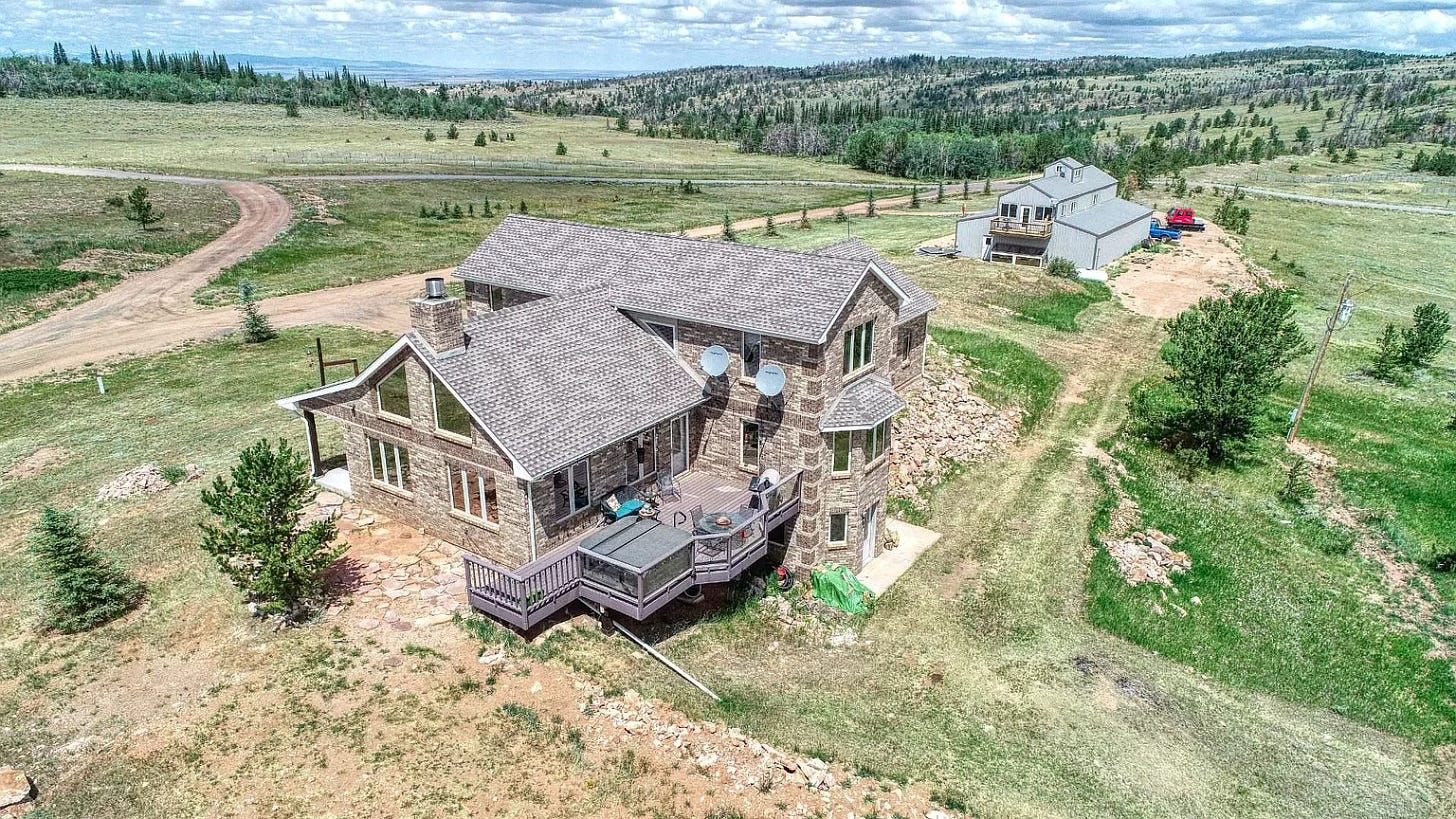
[1341, 313]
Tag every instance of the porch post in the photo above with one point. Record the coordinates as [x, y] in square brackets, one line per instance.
[311, 433]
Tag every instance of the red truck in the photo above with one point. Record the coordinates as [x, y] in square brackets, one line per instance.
[1183, 219]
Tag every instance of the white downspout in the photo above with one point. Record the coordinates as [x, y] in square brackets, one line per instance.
[531, 515]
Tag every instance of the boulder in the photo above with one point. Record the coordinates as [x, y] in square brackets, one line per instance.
[14, 787]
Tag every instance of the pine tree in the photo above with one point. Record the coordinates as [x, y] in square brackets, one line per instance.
[965, 189]
[523, 206]
[939, 192]
[804, 223]
[139, 208]
[86, 589]
[914, 197]
[290, 109]
[429, 135]
[452, 132]
[1386, 365]
[486, 210]
[986, 188]
[840, 216]
[561, 149]
[258, 540]
[480, 140]
[256, 326]
[622, 122]
[1421, 343]
[769, 228]
[870, 211]
[729, 233]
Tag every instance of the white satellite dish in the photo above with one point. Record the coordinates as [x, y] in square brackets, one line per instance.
[714, 361]
[770, 380]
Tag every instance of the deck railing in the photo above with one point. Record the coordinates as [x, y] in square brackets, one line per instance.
[527, 595]
[1039, 228]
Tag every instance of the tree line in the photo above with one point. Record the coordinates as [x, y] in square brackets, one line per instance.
[191, 77]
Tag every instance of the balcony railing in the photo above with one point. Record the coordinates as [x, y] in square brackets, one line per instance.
[524, 597]
[1037, 229]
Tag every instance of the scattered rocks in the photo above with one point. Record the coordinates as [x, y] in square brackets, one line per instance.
[145, 479]
[14, 787]
[946, 423]
[1146, 557]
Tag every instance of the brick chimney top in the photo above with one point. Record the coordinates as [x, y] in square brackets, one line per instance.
[438, 318]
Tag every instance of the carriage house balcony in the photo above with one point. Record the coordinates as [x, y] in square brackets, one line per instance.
[710, 531]
[1032, 228]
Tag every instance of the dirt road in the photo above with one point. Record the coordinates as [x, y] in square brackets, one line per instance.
[148, 311]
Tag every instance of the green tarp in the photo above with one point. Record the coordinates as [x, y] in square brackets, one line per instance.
[836, 585]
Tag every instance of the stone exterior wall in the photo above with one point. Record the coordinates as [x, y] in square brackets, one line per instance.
[431, 454]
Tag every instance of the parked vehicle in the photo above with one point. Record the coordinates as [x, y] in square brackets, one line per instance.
[1158, 233]
[1183, 219]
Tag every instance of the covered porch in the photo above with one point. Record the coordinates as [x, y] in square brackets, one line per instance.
[710, 530]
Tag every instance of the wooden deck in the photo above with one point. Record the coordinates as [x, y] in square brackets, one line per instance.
[526, 596]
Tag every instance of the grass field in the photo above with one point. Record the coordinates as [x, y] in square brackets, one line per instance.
[375, 229]
[1007, 373]
[1283, 604]
[52, 221]
[237, 140]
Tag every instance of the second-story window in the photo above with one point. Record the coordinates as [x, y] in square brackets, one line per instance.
[842, 447]
[907, 342]
[392, 394]
[1043, 213]
[1008, 211]
[450, 414]
[752, 354]
[877, 440]
[859, 346]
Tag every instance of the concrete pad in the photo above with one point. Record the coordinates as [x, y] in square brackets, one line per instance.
[882, 572]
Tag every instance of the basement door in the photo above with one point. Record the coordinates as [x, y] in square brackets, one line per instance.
[871, 523]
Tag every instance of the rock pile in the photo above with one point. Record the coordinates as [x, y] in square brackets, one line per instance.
[145, 479]
[15, 793]
[1147, 557]
[741, 762]
[945, 423]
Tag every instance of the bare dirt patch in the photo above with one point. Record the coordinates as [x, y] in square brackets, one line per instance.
[1164, 282]
[117, 262]
[36, 463]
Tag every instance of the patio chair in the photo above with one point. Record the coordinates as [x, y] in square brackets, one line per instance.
[620, 502]
[666, 486]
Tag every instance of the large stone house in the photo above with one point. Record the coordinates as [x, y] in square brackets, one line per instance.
[586, 359]
[1072, 211]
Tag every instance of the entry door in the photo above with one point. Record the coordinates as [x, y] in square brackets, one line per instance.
[1025, 214]
[678, 445]
[871, 530]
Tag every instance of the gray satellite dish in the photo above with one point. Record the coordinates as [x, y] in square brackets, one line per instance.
[770, 380]
[714, 361]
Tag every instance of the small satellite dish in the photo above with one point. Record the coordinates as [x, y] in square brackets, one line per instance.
[770, 380]
[714, 361]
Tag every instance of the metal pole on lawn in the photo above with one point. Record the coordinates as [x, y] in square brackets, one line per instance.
[1341, 310]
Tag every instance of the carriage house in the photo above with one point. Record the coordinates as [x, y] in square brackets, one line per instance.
[617, 416]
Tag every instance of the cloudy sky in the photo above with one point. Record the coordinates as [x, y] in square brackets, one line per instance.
[653, 34]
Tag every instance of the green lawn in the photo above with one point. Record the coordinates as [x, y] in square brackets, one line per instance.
[1283, 603]
[47, 220]
[1059, 309]
[237, 140]
[379, 230]
[1007, 373]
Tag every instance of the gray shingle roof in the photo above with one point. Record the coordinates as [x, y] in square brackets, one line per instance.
[1062, 187]
[862, 404]
[1106, 216]
[556, 379]
[919, 302]
[774, 292]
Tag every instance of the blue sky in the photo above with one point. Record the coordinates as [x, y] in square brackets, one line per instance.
[649, 34]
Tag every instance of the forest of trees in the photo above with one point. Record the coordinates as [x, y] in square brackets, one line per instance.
[192, 77]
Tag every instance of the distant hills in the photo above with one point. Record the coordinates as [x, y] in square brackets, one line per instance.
[395, 71]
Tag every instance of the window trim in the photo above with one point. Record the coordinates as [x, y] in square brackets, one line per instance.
[906, 342]
[569, 471]
[379, 397]
[402, 469]
[743, 355]
[855, 364]
[848, 453]
[844, 529]
[880, 435]
[458, 472]
[743, 425]
[448, 434]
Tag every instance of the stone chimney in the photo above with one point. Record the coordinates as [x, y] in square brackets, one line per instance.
[438, 318]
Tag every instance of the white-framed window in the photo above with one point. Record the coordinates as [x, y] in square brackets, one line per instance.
[572, 486]
[841, 445]
[450, 414]
[389, 464]
[1008, 210]
[877, 441]
[666, 332]
[752, 349]
[472, 493]
[1076, 174]
[750, 447]
[496, 296]
[907, 342]
[643, 456]
[1042, 213]
[391, 395]
[838, 528]
[859, 346]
